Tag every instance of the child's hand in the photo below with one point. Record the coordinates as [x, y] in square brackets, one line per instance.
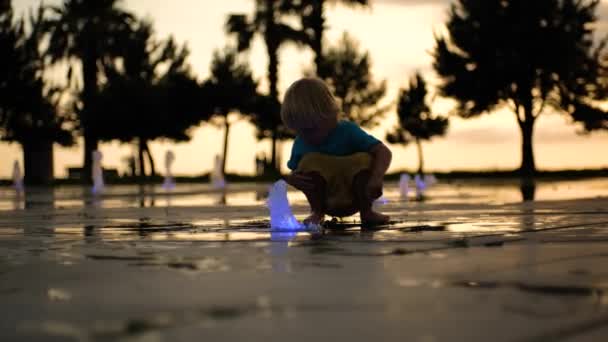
[300, 181]
[374, 189]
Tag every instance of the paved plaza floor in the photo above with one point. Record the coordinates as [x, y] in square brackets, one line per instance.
[471, 263]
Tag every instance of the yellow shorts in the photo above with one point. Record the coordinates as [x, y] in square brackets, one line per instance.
[339, 174]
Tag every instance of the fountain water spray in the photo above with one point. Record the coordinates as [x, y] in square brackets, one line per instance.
[169, 183]
[281, 216]
[97, 173]
[404, 185]
[217, 176]
[17, 178]
[430, 180]
[420, 187]
[380, 201]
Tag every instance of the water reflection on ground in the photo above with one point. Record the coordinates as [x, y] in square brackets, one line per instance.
[198, 213]
[249, 194]
[139, 262]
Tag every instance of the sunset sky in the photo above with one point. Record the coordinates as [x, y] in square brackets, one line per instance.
[399, 36]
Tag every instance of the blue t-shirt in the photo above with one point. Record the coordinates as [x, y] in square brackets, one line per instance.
[347, 138]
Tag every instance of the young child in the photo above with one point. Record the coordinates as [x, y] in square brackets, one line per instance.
[336, 164]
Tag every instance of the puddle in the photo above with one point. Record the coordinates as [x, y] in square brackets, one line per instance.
[205, 316]
[248, 194]
[427, 228]
[58, 295]
[147, 227]
[549, 290]
[327, 249]
[10, 291]
[198, 235]
[120, 258]
[337, 249]
[318, 264]
[183, 266]
[541, 289]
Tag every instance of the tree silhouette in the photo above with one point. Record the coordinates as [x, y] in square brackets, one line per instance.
[267, 127]
[588, 111]
[268, 23]
[347, 72]
[149, 94]
[592, 118]
[416, 123]
[88, 32]
[230, 89]
[28, 108]
[524, 55]
[312, 17]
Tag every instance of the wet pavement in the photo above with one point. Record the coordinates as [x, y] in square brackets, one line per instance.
[471, 263]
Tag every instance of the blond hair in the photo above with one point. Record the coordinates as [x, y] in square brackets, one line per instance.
[308, 102]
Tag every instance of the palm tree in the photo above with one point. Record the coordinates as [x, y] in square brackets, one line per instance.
[312, 16]
[88, 32]
[150, 92]
[230, 88]
[28, 108]
[266, 21]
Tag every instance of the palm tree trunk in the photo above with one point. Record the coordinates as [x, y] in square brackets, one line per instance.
[140, 154]
[318, 26]
[274, 93]
[272, 47]
[420, 157]
[89, 91]
[91, 144]
[38, 162]
[279, 156]
[273, 152]
[150, 159]
[225, 154]
[273, 70]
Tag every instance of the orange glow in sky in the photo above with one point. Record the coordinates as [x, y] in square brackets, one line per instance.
[399, 36]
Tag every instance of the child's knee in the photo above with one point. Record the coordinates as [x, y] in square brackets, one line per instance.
[360, 181]
[317, 180]
[360, 184]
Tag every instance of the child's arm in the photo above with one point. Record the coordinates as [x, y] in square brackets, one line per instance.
[381, 159]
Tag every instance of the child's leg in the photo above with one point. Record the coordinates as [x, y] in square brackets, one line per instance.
[316, 197]
[364, 203]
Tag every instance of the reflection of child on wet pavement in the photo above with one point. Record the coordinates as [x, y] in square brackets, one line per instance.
[336, 164]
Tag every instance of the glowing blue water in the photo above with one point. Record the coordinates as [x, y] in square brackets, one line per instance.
[217, 176]
[404, 187]
[420, 186]
[169, 183]
[281, 216]
[17, 178]
[98, 183]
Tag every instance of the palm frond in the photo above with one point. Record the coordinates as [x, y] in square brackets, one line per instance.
[238, 25]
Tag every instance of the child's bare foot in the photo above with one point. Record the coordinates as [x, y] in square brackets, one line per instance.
[314, 218]
[373, 218]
